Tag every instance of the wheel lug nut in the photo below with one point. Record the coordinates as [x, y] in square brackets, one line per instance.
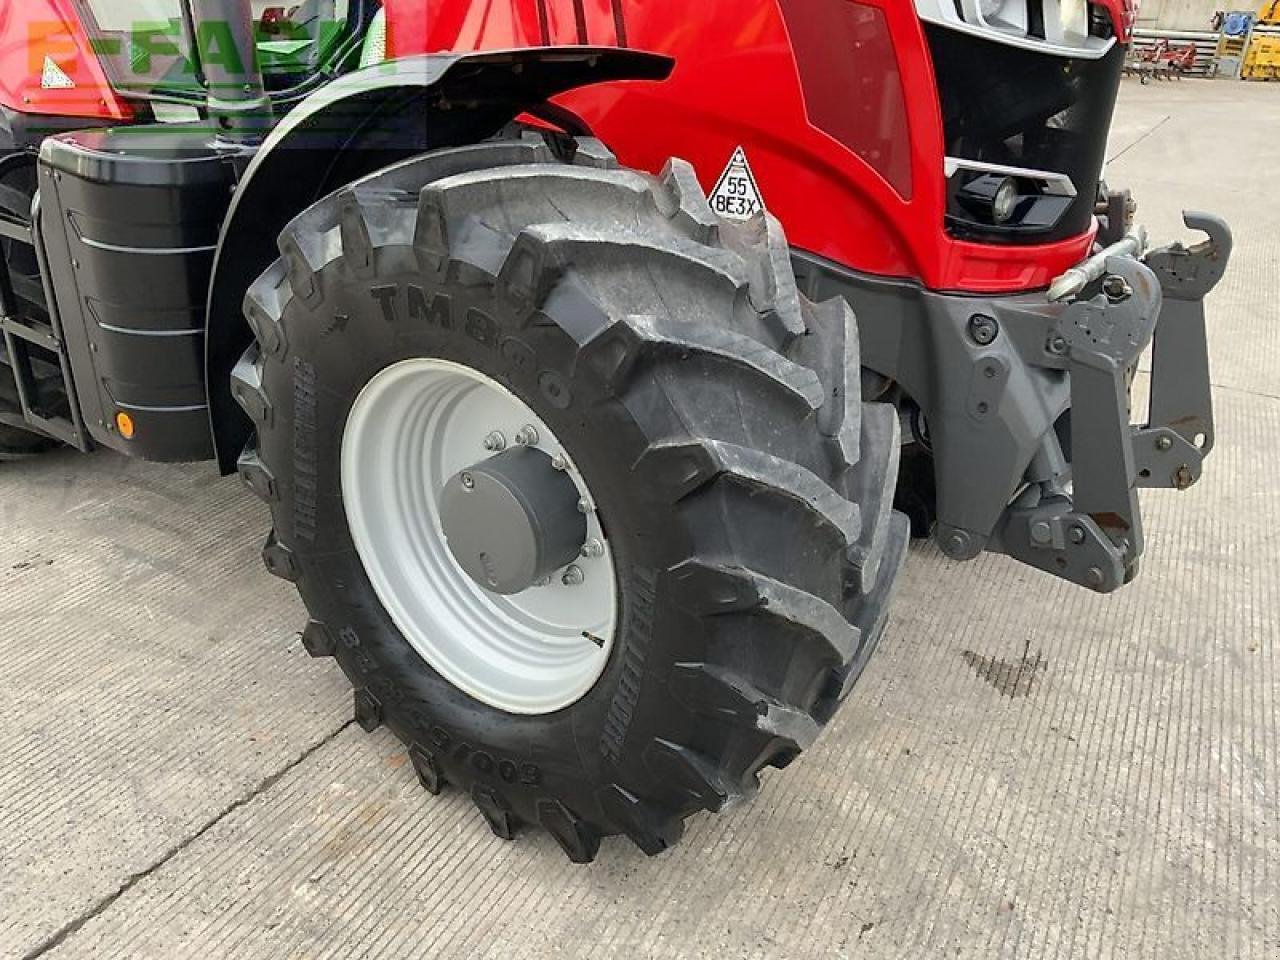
[528, 436]
[495, 442]
[573, 577]
[584, 506]
[558, 462]
[593, 550]
[468, 481]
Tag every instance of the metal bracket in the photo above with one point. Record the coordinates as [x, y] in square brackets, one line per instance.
[1104, 338]
[1050, 535]
[21, 332]
[1181, 397]
[1164, 459]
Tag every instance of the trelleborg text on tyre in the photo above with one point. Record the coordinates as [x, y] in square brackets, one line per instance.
[577, 489]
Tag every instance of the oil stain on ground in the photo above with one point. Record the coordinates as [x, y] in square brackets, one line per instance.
[1011, 678]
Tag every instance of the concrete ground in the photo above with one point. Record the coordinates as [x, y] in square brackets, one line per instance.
[1027, 770]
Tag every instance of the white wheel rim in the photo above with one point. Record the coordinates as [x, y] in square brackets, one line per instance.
[413, 427]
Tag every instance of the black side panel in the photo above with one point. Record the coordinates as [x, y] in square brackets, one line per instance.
[131, 220]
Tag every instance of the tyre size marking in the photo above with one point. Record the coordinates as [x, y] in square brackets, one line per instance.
[737, 195]
[306, 458]
[484, 762]
[639, 634]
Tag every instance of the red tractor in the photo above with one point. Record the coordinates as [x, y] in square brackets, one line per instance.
[584, 469]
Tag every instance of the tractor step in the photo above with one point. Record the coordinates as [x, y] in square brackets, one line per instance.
[33, 345]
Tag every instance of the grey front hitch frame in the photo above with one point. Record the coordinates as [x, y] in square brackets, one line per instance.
[1022, 402]
[1092, 534]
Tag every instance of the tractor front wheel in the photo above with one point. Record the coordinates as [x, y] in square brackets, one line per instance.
[578, 490]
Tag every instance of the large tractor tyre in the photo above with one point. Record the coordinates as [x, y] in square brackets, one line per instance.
[575, 486]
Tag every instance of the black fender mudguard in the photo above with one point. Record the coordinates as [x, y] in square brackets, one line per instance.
[359, 124]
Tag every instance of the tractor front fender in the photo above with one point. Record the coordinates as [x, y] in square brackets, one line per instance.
[355, 126]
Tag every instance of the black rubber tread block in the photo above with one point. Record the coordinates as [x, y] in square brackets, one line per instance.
[264, 307]
[872, 484]
[650, 829]
[618, 352]
[872, 618]
[279, 559]
[679, 766]
[682, 469]
[256, 476]
[317, 639]
[246, 387]
[367, 710]
[832, 350]
[496, 811]
[579, 839]
[686, 203]
[709, 590]
[593, 153]
[714, 691]
[427, 767]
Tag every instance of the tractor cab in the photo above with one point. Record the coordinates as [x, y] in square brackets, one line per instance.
[164, 52]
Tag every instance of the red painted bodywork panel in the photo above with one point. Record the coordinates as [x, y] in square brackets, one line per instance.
[737, 82]
[30, 30]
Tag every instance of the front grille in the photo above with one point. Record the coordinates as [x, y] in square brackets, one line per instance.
[1020, 108]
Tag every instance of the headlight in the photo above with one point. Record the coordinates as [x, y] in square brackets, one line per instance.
[992, 197]
[1008, 16]
[1070, 18]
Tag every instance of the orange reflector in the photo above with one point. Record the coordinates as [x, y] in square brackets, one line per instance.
[124, 423]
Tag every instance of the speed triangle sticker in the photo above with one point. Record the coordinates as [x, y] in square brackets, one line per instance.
[737, 195]
[54, 77]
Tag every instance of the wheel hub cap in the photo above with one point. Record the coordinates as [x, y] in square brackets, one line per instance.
[513, 521]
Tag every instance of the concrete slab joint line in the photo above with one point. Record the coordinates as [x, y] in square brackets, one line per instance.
[104, 904]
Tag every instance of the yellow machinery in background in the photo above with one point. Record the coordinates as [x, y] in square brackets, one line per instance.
[1262, 58]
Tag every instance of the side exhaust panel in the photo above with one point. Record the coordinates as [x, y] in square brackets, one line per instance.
[355, 126]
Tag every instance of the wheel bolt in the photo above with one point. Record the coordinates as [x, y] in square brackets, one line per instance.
[573, 577]
[528, 436]
[584, 506]
[468, 481]
[495, 442]
[593, 550]
[558, 462]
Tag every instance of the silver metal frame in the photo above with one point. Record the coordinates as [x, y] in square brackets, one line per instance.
[944, 14]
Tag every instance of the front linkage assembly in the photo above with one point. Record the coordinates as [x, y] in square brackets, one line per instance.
[1024, 401]
[1092, 535]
